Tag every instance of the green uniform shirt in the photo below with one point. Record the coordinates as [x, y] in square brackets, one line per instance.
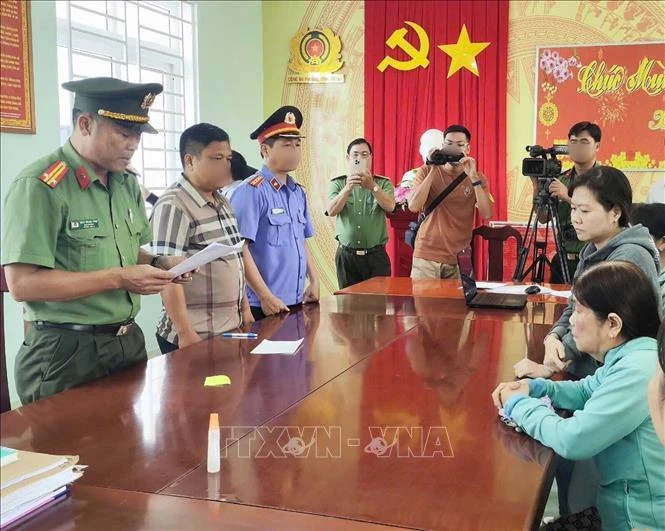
[76, 225]
[569, 238]
[361, 224]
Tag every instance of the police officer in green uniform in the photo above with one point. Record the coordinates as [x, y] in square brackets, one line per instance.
[73, 226]
[360, 202]
[583, 144]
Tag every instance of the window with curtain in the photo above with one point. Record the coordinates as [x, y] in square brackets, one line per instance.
[142, 42]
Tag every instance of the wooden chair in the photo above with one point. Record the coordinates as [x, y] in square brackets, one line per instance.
[4, 384]
[496, 238]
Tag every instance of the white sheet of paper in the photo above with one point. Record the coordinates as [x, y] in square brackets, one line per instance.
[489, 285]
[515, 290]
[205, 256]
[278, 347]
[519, 290]
[563, 294]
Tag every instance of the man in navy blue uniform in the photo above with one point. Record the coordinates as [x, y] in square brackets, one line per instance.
[273, 217]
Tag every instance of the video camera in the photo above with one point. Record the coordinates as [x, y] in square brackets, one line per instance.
[539, 166]
[543, 165]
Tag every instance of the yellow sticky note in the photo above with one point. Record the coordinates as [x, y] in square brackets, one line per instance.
[215, 381]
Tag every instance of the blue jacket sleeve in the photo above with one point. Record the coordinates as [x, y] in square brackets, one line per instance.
[613, 404]
[573, 395]
[537, 389]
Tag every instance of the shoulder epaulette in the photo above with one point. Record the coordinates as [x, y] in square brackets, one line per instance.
[256, 180]
[54, 173]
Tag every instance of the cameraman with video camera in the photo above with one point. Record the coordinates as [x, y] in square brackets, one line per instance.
[446, 192]
[583, 144]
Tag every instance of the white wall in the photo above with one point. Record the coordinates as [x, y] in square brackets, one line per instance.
[230, 41]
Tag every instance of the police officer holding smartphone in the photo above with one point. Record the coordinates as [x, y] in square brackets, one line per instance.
[360, 201]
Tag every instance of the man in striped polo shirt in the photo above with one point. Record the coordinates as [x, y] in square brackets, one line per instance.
[191, 214]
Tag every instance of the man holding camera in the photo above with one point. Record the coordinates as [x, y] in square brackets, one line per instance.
[360, 202]
[447, 229]
[583, 144]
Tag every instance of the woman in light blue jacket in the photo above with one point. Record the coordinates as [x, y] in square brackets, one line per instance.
[657, 389]
[616, 321]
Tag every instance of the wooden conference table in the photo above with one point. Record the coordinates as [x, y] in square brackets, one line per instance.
[382, 418]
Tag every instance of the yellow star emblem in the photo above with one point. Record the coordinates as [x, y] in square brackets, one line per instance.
[463, 53]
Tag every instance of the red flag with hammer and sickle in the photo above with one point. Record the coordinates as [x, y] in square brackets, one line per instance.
[429, 65]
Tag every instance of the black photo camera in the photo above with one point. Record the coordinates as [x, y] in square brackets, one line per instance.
[441, 157]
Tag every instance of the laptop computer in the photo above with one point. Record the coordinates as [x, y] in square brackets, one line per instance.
[483, 300]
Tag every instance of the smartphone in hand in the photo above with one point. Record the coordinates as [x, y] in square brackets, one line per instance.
[359, 166]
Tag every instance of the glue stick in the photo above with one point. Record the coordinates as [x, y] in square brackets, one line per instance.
[213, 444]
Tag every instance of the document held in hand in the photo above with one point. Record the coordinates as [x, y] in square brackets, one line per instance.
[212, 252]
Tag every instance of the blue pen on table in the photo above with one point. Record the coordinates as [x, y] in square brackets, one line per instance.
[232, 335]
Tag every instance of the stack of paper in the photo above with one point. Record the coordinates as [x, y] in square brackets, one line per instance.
[33, 482]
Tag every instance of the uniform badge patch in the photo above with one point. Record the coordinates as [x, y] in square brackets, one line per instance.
[79, 224]
[82, 177]
[276, 184]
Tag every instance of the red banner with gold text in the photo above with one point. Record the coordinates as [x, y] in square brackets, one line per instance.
[621, 87]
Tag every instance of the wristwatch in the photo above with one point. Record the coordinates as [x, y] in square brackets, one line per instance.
[154, 261]
[477, 183]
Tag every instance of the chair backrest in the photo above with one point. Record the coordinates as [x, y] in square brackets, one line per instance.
[496, 238]
[4, 385]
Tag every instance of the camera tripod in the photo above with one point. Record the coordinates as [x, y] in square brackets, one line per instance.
[537, 268]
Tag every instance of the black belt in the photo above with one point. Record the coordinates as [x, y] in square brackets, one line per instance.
[119, 329]
[362, 252]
